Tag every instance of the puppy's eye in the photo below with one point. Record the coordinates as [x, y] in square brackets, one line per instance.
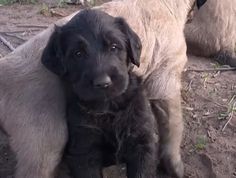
[114, 47]
[78, 53]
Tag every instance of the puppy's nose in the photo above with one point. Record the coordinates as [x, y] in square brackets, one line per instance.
[102, 81]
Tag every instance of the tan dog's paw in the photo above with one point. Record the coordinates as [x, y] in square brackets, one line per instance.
[172, 166]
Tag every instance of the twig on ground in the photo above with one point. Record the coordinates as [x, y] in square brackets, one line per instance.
[211, 100]
[231, 100]
[57, 13]
[212, 70]
[20, 31]
[230, 117]
[7, 43]
[206, 77]
[188, 108]
[189, 87]
[15, 36]
[32, 26]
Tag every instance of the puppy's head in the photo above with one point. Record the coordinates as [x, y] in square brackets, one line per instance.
[93, 52]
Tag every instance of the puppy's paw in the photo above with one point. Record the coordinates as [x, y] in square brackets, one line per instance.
[171, 166]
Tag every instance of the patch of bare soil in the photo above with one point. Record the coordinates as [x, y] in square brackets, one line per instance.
[209, 97]
[18, 23]
[209, 146]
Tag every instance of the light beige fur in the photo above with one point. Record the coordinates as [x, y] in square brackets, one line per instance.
[213, 30]
[32, 107]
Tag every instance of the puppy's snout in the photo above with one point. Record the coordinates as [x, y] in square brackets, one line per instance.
[102, 81]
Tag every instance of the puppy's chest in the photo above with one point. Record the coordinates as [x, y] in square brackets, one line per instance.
[106, 122]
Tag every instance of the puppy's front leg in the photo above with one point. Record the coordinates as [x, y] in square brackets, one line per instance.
[141, 161]
[140, 145]
[83, 153]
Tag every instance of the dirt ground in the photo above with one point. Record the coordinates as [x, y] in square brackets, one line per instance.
[209, 97]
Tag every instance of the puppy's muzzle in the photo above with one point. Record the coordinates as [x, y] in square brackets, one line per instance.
[102, 81]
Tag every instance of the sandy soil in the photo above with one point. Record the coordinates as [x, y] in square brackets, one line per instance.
[209, 142]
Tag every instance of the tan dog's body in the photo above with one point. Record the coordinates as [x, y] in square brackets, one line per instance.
[213, 30]
[32, 107]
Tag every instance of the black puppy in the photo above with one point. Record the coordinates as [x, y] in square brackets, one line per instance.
[109, 118]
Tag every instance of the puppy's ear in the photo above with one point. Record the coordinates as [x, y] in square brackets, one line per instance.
[52, 54]
[200, 3]
[133, 41]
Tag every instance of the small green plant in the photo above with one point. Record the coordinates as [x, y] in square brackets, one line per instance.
[201, 142]
[92, 2]
[45, 10]
[30, 1]
[7, 2]
[230, 109]
[61, 3]
[205, 77]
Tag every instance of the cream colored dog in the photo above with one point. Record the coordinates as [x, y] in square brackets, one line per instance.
[32, 107]
[212, 32]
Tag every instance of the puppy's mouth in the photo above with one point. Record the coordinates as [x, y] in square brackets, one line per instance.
[110, 93]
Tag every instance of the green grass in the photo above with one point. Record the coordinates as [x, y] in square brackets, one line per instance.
[230, 109]
[201, 142]
[8, 2]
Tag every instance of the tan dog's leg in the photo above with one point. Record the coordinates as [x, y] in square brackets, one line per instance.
[163, 89]
[170, 126]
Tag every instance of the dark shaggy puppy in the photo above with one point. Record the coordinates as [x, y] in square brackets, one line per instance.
[109, 117]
